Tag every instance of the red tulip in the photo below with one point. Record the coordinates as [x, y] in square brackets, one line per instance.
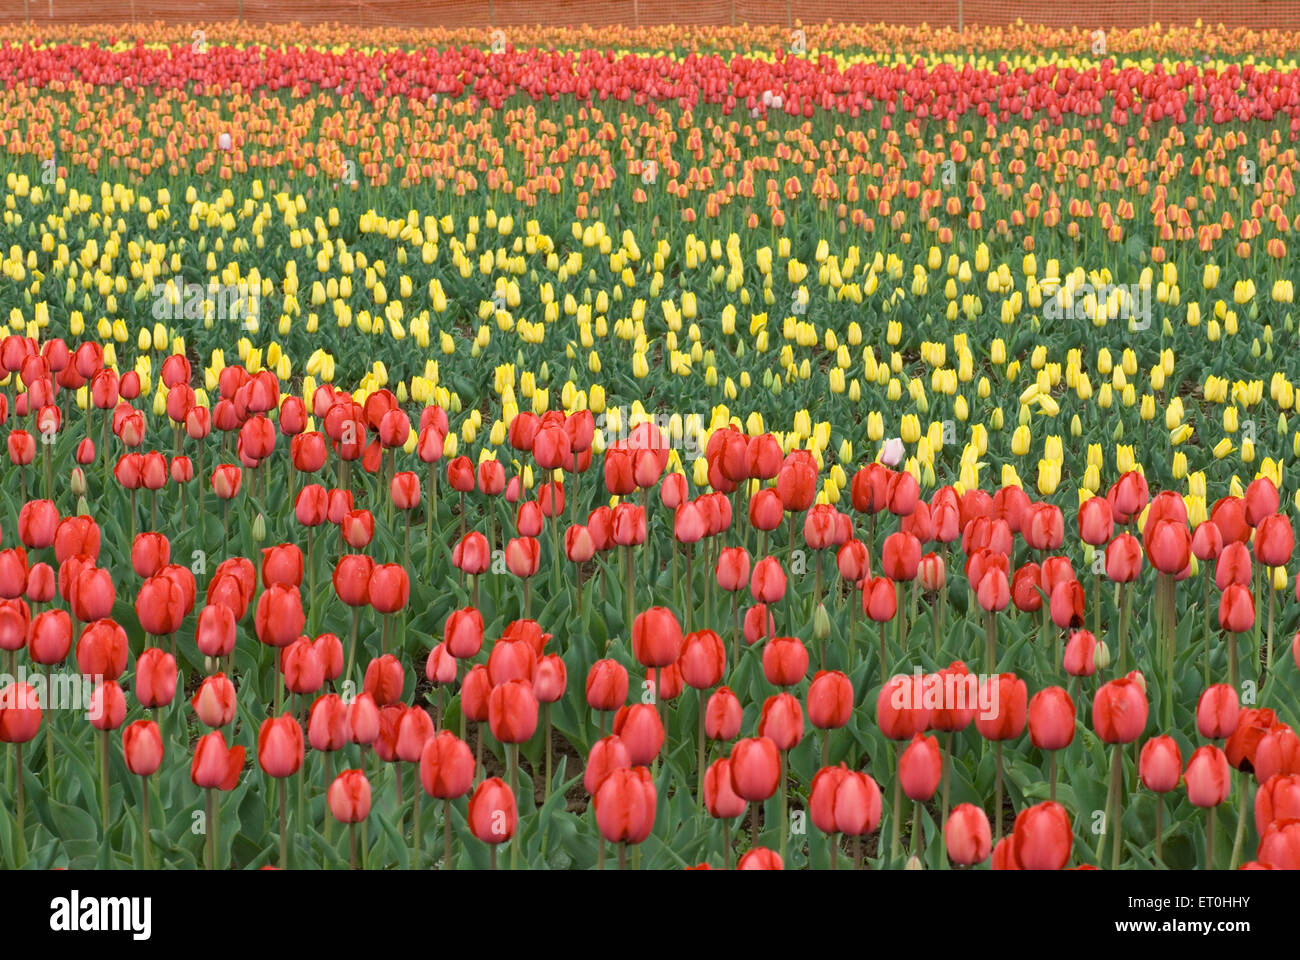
[830, 700]
[1278, 798]
[1119, 711]
[755, 768]
[1208, 777]
[1042, 837]
[349, 797]
[722, 715]
[215, 765]
[1216, 712]
[781, 721]
[512, 711]
[1051, 719]
[720, 799]
[606, 686]
[20, 713]
[785, 661]
[1236, 609]
[155, 678]
[919, 767]
[967, 836]
[703, 659]
[492, 814]
[49, 637]
[641, 731]
[279, 619]
[1160, 764]
[446, 766]
[142, 747]
[280, 746]
[656, 637]
[1009, 695]
[625, 804]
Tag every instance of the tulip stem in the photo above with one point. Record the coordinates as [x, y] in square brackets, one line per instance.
[311, 580]
[884, 663]
[1205, 617]
[492, 857]
[1125, 601]
[934, 619]
[1232, 660]
[629, 588]
[21, 811]
[415, 826]
[1051, 775]
[784, 802]
[1243, 785]
[1209, 836]
[622, 856]
[210, 815]
[1160, 813]
[946, 771]
[726, 844]
[512, 754]
[301, 822]
[699, 742]
[753, 824]
[1255, 627]
[1272, 601]
[991, 640]
[284, 823]
[329, 778]
[547, 711]
[49, 739]
[352, 846]
[735, 629]
[103, 780]
[690, 553]
[916, 828]
[144, 821]
[900, 629]
[446, 835]
[1117, 789]
[997, 788]
[401, 813]
[352, 642]
[895, 812]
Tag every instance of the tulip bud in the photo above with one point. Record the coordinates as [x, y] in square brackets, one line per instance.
[259, 529]
[78, 482]
[1101, 655]
[821, 623]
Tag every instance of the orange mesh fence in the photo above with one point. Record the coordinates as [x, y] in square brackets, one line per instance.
[452, 14]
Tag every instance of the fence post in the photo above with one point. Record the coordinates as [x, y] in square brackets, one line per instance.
[241, 11]
[733, 12]
[961, 21]
[636, 14]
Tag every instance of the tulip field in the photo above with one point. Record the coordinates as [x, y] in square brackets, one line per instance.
[541, 448]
